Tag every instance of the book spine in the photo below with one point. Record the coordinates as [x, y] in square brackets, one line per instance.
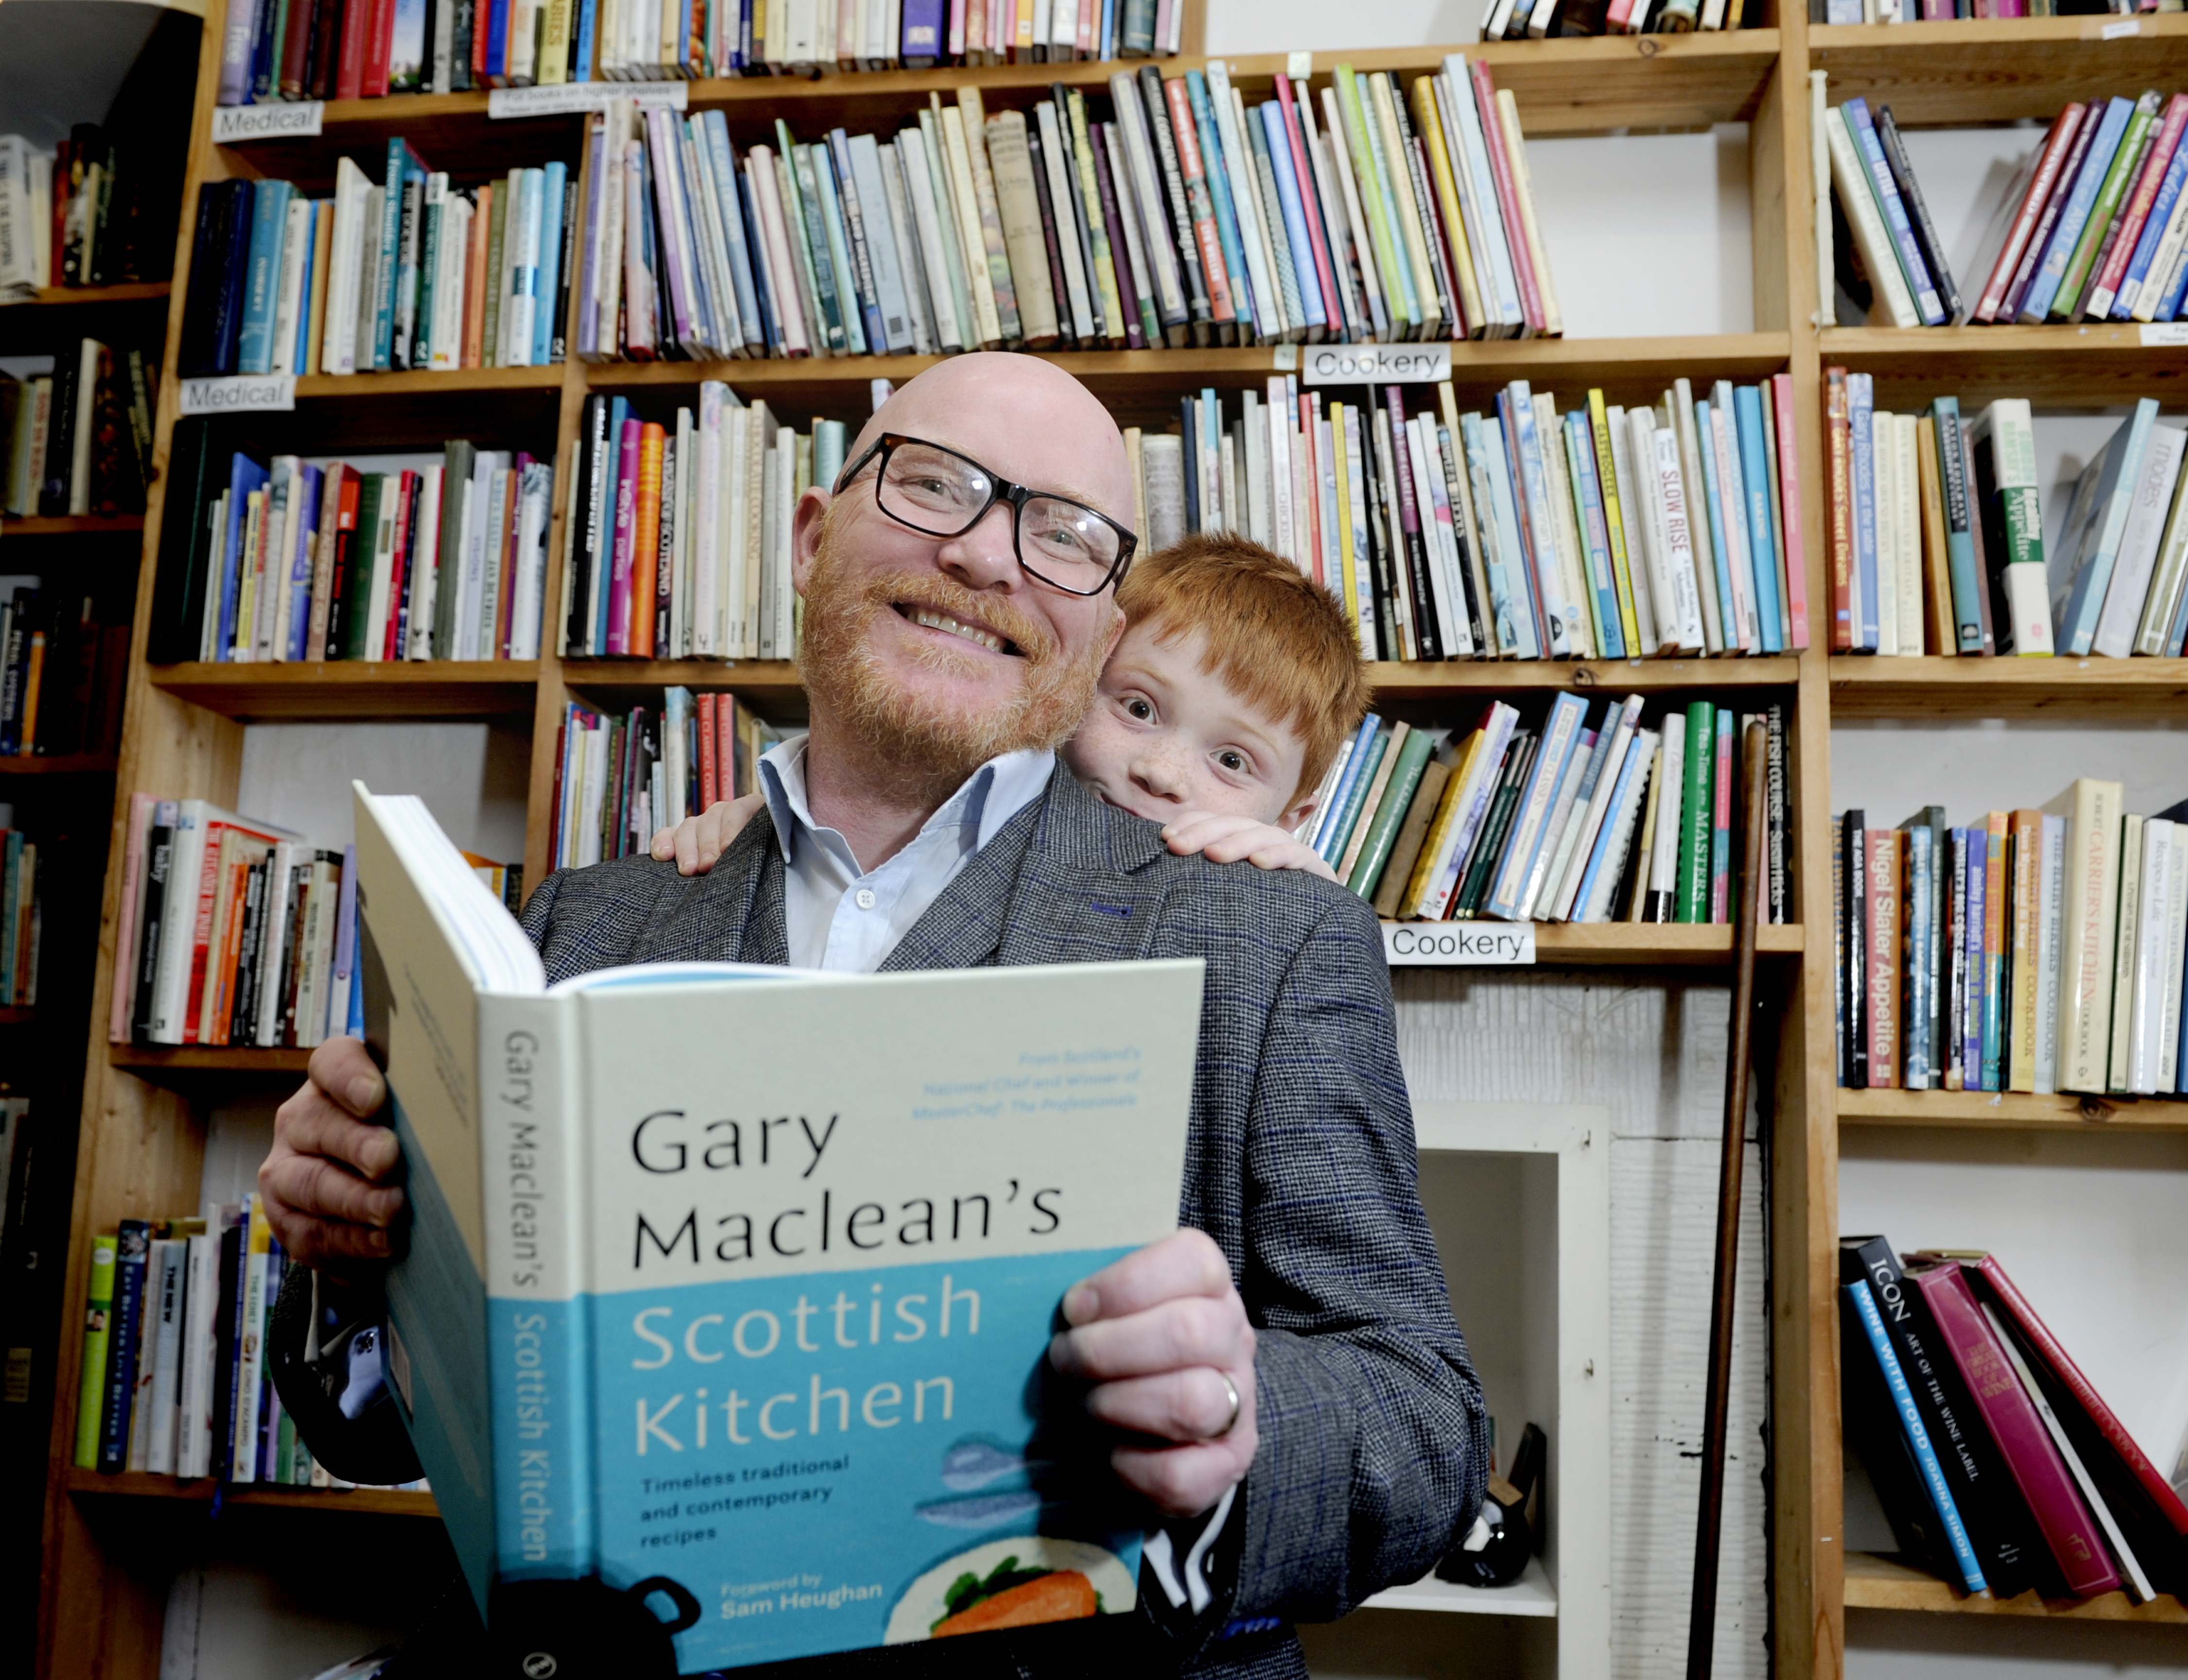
[98, 1347]
[132, 1251]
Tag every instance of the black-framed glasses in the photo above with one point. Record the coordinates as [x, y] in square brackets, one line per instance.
[939, 493]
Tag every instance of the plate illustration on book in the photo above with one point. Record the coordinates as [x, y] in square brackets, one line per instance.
[1041, 1578]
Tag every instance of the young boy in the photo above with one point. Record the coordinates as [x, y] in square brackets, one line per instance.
[1236, 681]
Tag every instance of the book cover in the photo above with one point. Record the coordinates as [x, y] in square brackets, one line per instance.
[2099, 145]
[2096, 521]
[97, 1346]
[860, 1265]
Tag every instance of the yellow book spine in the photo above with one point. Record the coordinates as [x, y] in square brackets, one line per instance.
[1429, 865]
[1606, 471]
[1429, 122]
[1351, 594]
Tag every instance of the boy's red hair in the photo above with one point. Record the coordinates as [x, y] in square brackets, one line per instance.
[1276, 638]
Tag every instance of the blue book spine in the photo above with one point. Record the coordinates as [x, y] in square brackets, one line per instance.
[1917, 272]
[873, 222]
[549, 278]
[762, 298]
[1713, 497]
[604, 571]
[1487, 475]
[1361, 741]
[309, 483]
[497, 42]
[581, 64]
[1925, 1458]
[1637, 764]
[301, 347]
[1861, 432]
[269, 227]
[132, 1251]
[2114, 491]
[2068, 233]
[1250, 309]
[1762, 528]
[1288, 195]
[390, 243]
[1921, 978]
[1561, 734]
[1595, 533]
[2168, 307]
[1553, 612]
[2174, 643]
[238, 49]
[727, 196]
[836, 234]
[264, 49]
[2153, 234]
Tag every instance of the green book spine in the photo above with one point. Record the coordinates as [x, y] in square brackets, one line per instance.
[1959, 526]
[356, 599]
[91, 1385]
[1397, 800]
[1356, 795]
[1487, 855]
[2024, 526]
[1693, 905]
[428, 260]
[497, 228]
[2102, 212]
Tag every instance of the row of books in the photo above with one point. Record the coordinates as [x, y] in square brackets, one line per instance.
[78, 440]
[1597, 811]
[1944, 11]
[62, 672]
[404, 557]
[679, 544]
[67, 217]
[1186, 217]
[1534, 20]
[1601, 533]
[174, 1380]
[411, 275]
[347, 49]
[620, 777]
[2094, 227]
[22, 918]
[1997, 1463]
[1937, 541]
[2032, 950]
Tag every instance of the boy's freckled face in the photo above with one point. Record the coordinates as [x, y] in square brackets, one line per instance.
[1165, 736]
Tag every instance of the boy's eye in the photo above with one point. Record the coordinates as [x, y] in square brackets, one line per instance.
[1138, 708]
[1234, 760]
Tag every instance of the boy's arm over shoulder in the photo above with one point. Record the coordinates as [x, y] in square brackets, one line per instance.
[1372, 1453]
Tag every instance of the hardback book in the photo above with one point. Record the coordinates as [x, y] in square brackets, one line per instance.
[776, 1345]
[2088, 931]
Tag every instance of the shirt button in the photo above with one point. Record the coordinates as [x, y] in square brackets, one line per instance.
[866, 898]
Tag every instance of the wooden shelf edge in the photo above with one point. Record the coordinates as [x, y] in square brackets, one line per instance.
[1916, 39]
[135, 291]
[12, 1017]
[60, 764]
[151, 1060]
[1611, 944]
[73, 525]
[2010, 1110]
[378, 1500]
[314, 387]
[355, 688]
[1873, 686]
[2066, 339]
[1875, 1583]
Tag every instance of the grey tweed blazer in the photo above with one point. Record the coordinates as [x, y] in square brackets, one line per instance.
[1300, 1164]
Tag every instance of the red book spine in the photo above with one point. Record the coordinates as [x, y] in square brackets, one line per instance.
[512, 501]
[554, 804]
[1880, 951]
[379, 48]
[349, 67]
[725, 744]
[1221, 308]
[2034, 1462]
[1308, 514]
[1508, 198]
[709, 784]
[2085, 1394]
[391, 643]
[2139, 201]
[57, 266]
[626, 521]
[1311, 205]
[296, 51]
[1789, 498]
[1838, 483]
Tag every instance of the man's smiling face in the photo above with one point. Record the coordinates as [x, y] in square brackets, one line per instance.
[944, 649]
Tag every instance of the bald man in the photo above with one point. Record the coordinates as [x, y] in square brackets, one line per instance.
[1293, 1399]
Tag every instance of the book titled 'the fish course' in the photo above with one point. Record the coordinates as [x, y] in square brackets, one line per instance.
[723, 1316]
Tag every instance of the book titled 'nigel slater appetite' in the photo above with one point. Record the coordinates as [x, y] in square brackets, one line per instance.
[725, 1307]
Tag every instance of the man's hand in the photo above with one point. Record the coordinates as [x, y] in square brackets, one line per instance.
[1224, 839]
[325, 1180]
[698, 842]
[1159, 1332]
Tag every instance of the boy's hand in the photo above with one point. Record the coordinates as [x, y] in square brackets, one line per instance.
[1222, 839]
[697, 842]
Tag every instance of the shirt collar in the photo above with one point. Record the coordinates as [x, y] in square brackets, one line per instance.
[989, 797]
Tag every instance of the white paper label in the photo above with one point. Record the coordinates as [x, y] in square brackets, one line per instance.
[1377, 363]
[232, 124]
[1460, 944]
[1299, 66]
[2122, 30]
[1284, 357]
[2164, 335]
[569, 96]
[239, 393]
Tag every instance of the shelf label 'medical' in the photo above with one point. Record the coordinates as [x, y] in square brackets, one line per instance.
[296, 121]
[240, 393]
[1460, 944]
[568, 96]
[1375, 363]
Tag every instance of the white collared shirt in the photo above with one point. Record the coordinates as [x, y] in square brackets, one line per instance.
[837, 916]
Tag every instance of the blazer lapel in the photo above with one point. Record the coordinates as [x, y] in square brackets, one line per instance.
[735, 915]
[962, 928]
[1083, 894]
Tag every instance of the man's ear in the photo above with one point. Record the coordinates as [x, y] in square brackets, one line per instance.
[806, 534]
[1116, 631]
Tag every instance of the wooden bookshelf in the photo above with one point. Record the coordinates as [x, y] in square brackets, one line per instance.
[386, 1502]
[81, 297]
[1880, 1583]
[143, 1108]
[74, 525]
[60, 764]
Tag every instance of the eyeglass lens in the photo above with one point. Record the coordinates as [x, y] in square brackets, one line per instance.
[935, 491]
